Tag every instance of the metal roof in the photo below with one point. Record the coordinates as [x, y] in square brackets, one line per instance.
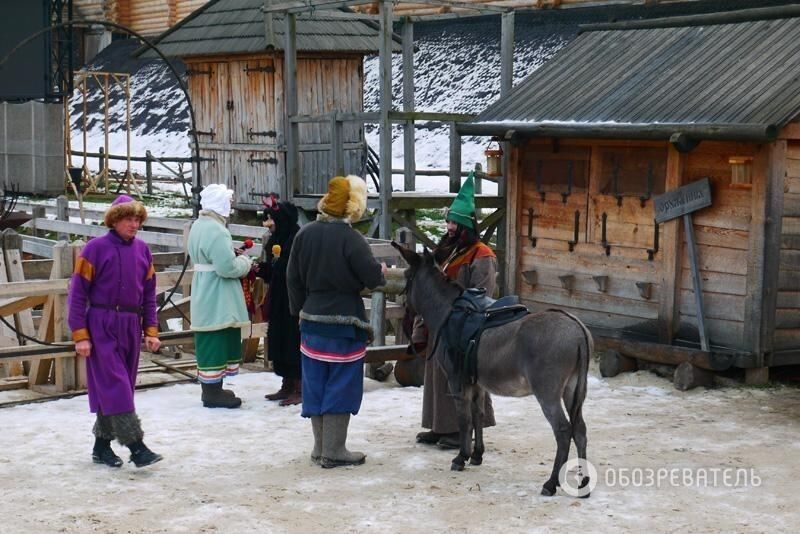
[714, 81]
[238, 26]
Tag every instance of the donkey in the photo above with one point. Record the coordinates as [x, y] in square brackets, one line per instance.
[545, 354]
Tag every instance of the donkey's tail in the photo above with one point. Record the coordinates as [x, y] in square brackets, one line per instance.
[582, 370]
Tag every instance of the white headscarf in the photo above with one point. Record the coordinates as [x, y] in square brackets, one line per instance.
[216, 198]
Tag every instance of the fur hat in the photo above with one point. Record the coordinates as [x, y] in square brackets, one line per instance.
[124, 206]
[346, 198]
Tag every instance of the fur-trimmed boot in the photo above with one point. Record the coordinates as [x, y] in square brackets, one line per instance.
[316, 428]
[282, 393]
[141, 456]
[102, 453]
[213, 396]
[295, 395]
[334, 436]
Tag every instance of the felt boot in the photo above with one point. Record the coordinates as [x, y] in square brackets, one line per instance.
[429, 437]
[141, 456]
[334, 436]
[316, 427]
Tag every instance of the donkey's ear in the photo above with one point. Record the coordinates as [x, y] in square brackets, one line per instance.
[411, 257]
[426, 255]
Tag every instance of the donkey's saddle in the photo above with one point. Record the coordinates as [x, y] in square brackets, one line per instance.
[472, 313]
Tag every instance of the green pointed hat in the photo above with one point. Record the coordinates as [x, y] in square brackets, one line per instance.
[462, 210]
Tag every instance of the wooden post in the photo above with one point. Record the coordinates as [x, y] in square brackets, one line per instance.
[101, 161]
[62, 214]
[75, 249]
[148, 171]
[290, 95]
[455, 159]
[506, 83]
[409, 156]
[186, 287]
[478, 180]
[670, 253]
[337, 145]
[385, 77]
[65, 366]
[38, 212]
[613, 363]
[697, 283]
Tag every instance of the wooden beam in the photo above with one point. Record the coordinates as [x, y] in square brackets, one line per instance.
[455, 159]
[385, 77]
[670, 255]
[409, 145]
[773, 227]
[290, 101]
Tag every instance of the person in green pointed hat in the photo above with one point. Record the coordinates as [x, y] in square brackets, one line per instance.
[465, 259]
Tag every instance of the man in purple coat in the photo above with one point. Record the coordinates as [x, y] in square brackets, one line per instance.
[112, 304]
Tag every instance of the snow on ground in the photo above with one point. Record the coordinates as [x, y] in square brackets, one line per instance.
[248, 470]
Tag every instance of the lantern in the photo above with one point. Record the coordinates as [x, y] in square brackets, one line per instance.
[493, 158]
[741, 171]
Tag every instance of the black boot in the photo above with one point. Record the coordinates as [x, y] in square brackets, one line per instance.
[213, 396]
[103, 454]
[142, 456]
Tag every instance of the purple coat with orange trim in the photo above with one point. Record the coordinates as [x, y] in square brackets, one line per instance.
[112, 303]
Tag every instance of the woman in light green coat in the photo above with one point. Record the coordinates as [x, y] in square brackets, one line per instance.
[217, 305]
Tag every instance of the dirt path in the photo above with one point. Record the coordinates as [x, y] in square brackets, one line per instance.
[248, 470]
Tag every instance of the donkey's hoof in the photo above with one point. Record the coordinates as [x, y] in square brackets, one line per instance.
[456, 466]
[476, 460]
[548, 492]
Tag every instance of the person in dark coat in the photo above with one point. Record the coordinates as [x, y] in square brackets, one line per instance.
[330, 264]
[283, 336]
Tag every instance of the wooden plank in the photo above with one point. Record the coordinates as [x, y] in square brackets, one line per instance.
[600, 319]
[790, 242]
[790, 226]
[792, 185]
[791, 205]
[789, 260]
[591, 264]
[721, 237]
[591, 301]
[513, 224]
[719, 260]
[16, 305]
[788, 280]
[787, 318]
[731, 284]
[786, 338]
[585, 283]
[720, 332]
[788, 299]
[715, 305]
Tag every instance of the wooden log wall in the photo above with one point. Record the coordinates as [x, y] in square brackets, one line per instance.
[240, 99]
[722, 233]
[148, 17]
[787, 314]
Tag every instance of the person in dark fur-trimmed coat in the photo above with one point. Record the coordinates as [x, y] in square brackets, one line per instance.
[283, 336]
[329, 265]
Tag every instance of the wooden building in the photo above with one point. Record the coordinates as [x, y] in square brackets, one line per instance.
[625, 113]
[148, 17]
[233, 53]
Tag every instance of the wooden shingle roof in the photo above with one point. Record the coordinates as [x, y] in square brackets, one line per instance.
[724, 77]
[238, 27]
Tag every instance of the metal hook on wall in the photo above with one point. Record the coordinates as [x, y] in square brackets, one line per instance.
[603, 240]
[577, 231]
[652, 251]
[538, 179]
[530, 228]
[644, 198]
[564, 196]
